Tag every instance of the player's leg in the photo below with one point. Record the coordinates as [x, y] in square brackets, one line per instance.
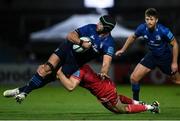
[38, 80]
[127, 100]
[145, 66]
[131, 108]
[139, 72]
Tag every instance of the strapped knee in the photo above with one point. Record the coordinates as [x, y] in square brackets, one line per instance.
[45, 69]
[51, 67]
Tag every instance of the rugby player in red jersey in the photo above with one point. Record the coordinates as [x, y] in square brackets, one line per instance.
[105, 91]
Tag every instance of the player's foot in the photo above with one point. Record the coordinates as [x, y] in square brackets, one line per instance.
[11, 92]
[20, 97]
[156, 106]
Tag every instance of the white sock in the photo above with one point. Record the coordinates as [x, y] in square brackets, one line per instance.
[135, 102]
[149, 107]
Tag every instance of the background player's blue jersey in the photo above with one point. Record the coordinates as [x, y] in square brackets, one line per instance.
[158, 40]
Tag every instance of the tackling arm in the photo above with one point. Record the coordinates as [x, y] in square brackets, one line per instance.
[106, 65]
[69, 83]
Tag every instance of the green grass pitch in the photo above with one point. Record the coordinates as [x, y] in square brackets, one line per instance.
[54, 102]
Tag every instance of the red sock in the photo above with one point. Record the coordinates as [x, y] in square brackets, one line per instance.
[135, 108]
[125, 100]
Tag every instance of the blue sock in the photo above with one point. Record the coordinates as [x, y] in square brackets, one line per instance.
[35, 82]
[135, 89]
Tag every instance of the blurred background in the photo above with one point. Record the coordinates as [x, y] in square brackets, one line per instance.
[30, 30]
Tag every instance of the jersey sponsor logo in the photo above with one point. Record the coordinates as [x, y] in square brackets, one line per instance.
[158, 37]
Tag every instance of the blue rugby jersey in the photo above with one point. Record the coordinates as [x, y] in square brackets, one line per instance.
[157, 40]
[71, 61]
[102, 45]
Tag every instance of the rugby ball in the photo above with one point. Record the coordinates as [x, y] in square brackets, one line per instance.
[80, 49]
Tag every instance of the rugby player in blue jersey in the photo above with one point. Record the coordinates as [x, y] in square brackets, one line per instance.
[163, 50]
[102, 44]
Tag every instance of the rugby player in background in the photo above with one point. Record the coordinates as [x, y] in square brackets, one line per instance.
[163, 51]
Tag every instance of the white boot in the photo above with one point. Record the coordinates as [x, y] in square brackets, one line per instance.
[11, 92]
[20, 97]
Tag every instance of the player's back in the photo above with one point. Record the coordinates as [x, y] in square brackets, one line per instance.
[98, 87]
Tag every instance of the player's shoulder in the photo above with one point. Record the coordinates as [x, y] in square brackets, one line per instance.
[141, 27]
[109, 40]
[85, 67]
[162, 28]
[91, 25]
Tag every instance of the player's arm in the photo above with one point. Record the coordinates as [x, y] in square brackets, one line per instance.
[175, 50]
[74, 38]
[128, 42]
[69, 83]
[105, 66]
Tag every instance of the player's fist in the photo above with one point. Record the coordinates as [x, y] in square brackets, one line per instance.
[103, 76]
[86, 44]
[174, 68]
[119, 52]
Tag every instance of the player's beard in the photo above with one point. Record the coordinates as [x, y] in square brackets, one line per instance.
[151, 28]
[101, 32]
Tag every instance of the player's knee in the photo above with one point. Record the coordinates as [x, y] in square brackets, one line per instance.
[133, 79]
[44, 70]
[122, 109]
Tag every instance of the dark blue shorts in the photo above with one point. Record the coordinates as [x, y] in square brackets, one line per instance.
[162, 62]
[67, 58]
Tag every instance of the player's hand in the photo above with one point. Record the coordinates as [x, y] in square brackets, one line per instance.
[104, 76]
[86, 44]
[174, 68]
[58, 73]
[42, 71]
[119, 52]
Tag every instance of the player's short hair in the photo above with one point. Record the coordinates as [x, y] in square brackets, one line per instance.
[152, 12]
[108, 22]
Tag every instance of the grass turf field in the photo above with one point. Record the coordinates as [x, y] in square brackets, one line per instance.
[56, 103]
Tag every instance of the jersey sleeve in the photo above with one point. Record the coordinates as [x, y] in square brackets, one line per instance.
[139, 30]
[78, 74]
[109, 49]
[168, 34]
[83, 31]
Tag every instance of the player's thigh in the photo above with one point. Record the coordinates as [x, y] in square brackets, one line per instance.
[139, 72]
